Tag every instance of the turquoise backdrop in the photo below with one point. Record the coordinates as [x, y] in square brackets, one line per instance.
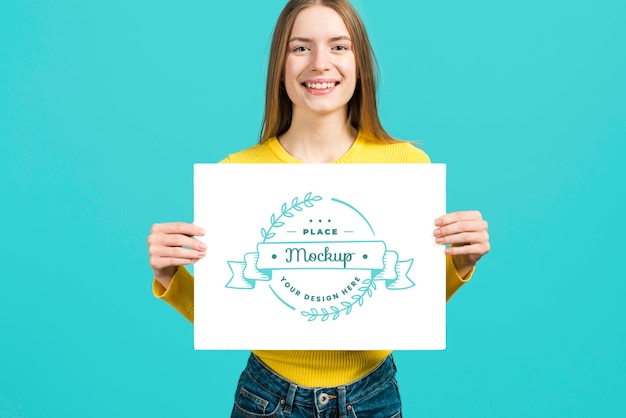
[105, 106]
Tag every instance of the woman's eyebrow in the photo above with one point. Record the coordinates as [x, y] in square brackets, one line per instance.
[333, 39]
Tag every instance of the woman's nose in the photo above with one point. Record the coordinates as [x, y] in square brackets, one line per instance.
[320, 60]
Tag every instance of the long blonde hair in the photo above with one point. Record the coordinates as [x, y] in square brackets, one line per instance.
[362, 107]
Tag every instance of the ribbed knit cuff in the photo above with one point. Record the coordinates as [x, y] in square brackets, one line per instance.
[179, 294]
[453, 280]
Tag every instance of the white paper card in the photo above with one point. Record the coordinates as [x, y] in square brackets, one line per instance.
[320, 257]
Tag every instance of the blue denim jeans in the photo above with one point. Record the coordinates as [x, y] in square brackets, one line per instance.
[263, 393]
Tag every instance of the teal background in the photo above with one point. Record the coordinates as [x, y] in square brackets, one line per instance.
[105, 106]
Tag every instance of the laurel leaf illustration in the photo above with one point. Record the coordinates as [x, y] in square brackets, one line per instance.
[308, 204]
[263, 233]
[278, 224]
[298, 208]
[311, 315]
[270, 235]
[288, 215]
[325, 314]
[317, 198]
[283, 208]
[307, 196]
[294, 202]
[273, 219]
[368, 285]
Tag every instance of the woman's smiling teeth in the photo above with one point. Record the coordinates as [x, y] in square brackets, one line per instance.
[320, 86]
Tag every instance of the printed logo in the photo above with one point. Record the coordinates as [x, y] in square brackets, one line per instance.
[320, 258]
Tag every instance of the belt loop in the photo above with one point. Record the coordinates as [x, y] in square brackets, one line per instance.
[341, 401]
[291, 394]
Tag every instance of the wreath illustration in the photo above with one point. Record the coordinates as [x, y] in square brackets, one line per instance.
[286, 212]
[369, 285]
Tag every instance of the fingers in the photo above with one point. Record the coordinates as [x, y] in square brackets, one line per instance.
[177, 228]
[174, 252]
[174, 244]
[463, 238]
[176, 240]
[450, 218]
[163, 257]
[471, 230]
[465, 231]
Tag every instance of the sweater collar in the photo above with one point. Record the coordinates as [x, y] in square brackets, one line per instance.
[285, 157]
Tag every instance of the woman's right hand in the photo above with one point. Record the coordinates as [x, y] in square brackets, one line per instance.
[171, 245]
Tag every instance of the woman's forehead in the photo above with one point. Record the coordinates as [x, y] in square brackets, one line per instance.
[319, 22]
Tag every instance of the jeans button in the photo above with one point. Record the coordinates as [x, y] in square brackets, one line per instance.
[323, 398]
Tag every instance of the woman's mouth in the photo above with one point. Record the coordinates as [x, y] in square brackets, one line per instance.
[320, 86]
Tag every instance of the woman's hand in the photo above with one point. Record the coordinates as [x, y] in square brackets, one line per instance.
[466, 232]
[171, 245]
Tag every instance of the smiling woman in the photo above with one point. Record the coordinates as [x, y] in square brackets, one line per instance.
[319, 62]
[340, 46]
[320, 108]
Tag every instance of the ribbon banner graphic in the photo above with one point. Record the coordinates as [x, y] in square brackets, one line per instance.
[345, 255]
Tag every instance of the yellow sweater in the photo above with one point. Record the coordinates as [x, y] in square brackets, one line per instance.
[313, 368]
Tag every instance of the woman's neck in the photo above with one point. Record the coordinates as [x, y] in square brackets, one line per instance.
[322, 140]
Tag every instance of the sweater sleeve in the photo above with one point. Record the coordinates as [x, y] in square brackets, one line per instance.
[179, 294]
[453, 280]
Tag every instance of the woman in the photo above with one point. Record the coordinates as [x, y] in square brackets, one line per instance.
[320, 108]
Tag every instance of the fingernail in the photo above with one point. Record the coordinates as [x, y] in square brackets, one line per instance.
[200, 231]
[440, 240]
[437, 222]
[437, 232]
[202, 246]
[201, 253]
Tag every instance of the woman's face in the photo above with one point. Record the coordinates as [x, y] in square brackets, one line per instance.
[320, 68]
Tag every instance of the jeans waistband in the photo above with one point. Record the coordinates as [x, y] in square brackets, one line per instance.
[320, 397]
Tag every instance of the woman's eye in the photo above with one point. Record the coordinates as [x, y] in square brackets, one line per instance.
[299, 49]
[340, 48]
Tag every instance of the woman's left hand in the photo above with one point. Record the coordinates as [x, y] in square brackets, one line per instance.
[466, 232]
